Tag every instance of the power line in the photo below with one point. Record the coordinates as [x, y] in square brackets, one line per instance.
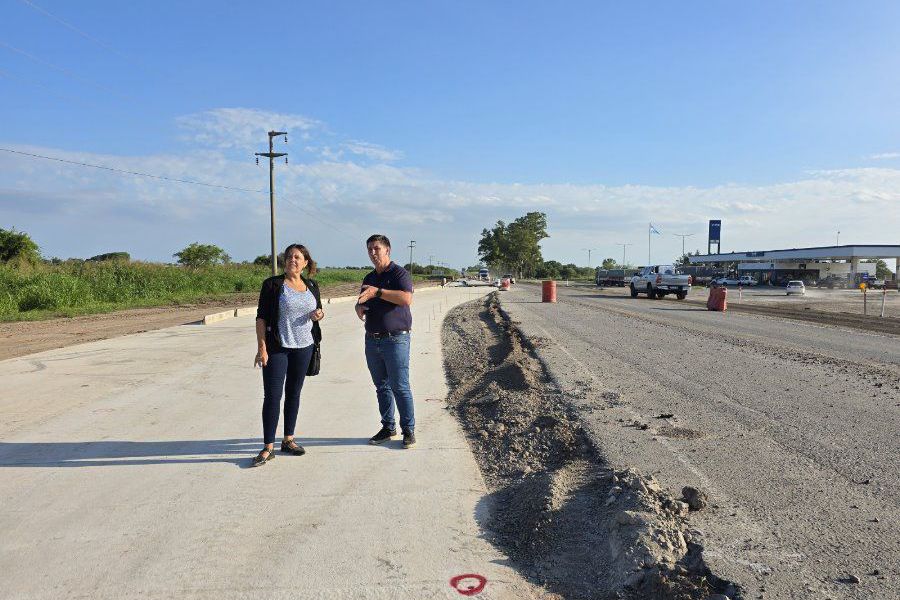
[66, 72]
[682, 236]
[137, 173]
[299, 207]
[68, 25]
[43, 87]
[289, 199]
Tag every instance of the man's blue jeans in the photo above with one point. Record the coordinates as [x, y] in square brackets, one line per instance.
[388, 361]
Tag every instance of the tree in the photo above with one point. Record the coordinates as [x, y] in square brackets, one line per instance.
[201, 255]
[492, 247]
[18, 246]
[682, 261]
[609, 263]
[515, 247]
[569, 271]
[881, 270]
[111, 256]
[416, 269]
[548, 269]
[265, 260]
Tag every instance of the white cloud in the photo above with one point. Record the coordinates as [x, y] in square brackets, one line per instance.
[373, 151]
[243, 128]
[884, 156]
[335, 201]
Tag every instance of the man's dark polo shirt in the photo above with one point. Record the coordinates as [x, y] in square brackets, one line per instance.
[384, 316]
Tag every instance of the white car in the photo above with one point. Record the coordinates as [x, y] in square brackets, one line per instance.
[744, 280]
[795, 287]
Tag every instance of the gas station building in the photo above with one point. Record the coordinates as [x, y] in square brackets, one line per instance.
[808, 264]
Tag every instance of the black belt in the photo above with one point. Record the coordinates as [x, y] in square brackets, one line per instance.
[379, 336]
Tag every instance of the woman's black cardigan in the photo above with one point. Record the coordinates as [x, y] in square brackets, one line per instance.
[267, 309]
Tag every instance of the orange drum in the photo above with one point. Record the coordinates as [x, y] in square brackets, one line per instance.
[548, 291]
[718, 299]
[504, 284]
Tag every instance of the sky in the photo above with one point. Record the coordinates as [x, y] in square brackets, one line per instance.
[430, 121]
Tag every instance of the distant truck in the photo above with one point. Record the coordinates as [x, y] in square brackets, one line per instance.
[660, 280]
[609, 277]
[484, 275]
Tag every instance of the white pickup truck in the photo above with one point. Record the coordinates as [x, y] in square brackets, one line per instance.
[659, 280]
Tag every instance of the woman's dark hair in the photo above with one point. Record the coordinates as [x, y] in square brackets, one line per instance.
[379, 238]
[310, 263]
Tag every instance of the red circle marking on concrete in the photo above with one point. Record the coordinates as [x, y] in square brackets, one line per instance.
[468, 589]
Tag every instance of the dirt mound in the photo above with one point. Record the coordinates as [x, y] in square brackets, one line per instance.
[568, 521]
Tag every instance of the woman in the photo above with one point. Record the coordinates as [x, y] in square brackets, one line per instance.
[287, 330]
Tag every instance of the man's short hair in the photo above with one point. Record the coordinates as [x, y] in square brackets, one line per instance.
[379, 238]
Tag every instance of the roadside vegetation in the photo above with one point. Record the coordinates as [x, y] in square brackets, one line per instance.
[32, 288]
[82, 287]
[514, 248]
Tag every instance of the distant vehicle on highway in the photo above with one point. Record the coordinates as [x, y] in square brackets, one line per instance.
[609, 277]
[660, 280]
[484, 275]
[875, 284]
[833, 281]
[743, 280]
[795, 286]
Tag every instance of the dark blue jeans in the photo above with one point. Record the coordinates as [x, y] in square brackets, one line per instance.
[286, 370]
[388, 361]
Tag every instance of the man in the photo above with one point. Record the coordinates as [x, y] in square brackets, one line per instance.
[383, 305]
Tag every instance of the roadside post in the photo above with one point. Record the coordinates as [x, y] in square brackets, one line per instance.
[862, 286]
[883, 298]
[740, 292]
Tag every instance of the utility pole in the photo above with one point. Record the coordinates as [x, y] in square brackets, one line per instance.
[682, 236]
[412, 244]
[271, 155]
[623, 253]
[837, 242]
[589, 250]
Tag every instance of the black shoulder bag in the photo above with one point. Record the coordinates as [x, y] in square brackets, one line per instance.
[316, 361]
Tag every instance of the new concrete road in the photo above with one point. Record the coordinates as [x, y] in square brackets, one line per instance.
[124, 474]
[790, 427]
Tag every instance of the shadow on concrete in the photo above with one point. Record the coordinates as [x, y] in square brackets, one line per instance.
[238, 452]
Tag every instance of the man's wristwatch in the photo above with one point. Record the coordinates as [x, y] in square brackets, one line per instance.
[378, 293]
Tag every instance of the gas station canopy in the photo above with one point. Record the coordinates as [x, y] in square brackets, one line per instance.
[851, 253]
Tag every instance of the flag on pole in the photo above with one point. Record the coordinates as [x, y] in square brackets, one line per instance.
[653, 229]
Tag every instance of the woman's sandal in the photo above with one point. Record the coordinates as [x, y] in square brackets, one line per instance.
[292, 447]
[260, 460]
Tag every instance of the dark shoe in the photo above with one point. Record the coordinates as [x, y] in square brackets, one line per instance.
[409, 439]
[292, 447]
[383, 435]
[264, 456]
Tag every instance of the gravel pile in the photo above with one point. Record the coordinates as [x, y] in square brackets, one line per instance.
[568, 521]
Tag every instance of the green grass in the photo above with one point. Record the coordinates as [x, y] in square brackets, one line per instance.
[70, 289]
